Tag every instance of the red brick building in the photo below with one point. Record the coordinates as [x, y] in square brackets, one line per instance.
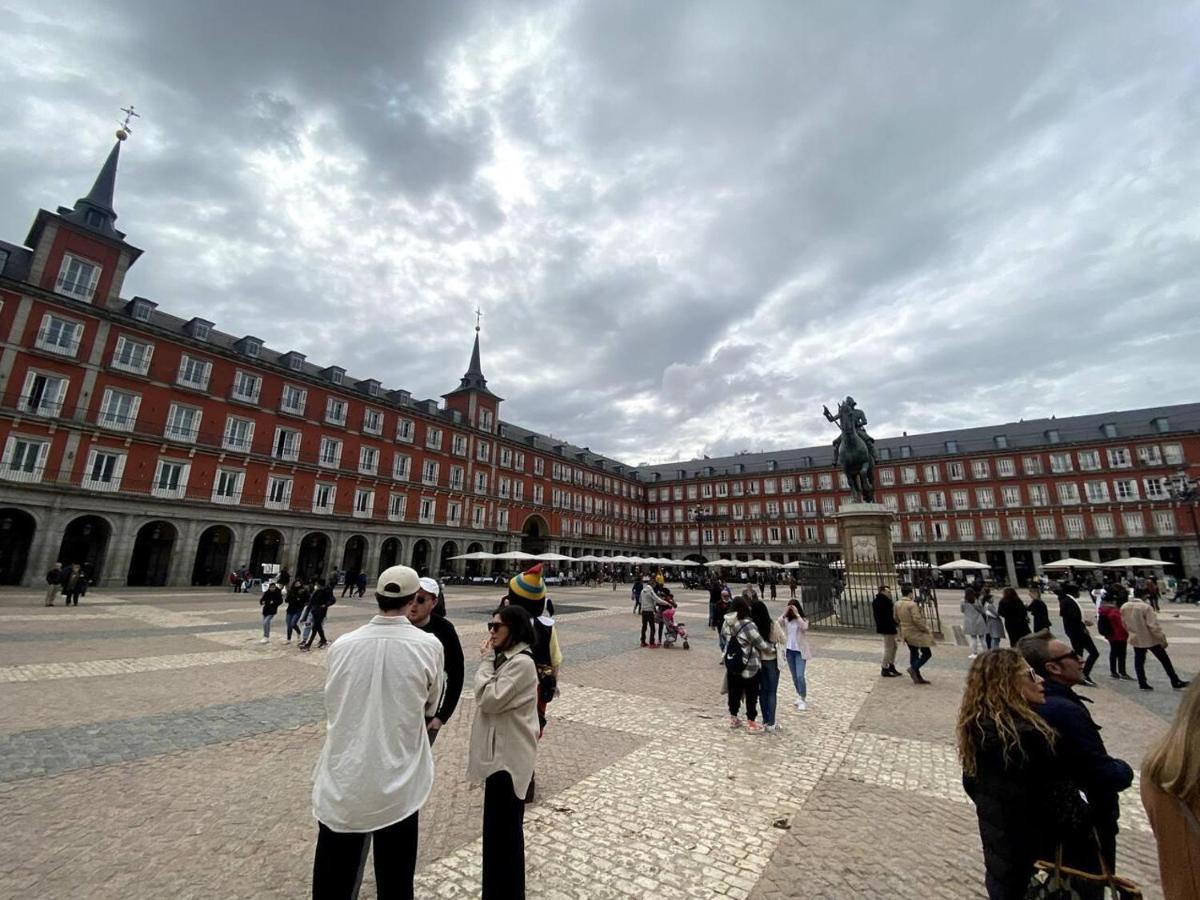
[162, 451]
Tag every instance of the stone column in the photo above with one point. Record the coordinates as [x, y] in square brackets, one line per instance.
[370, 563]
[1010, 567]
[183, 554]
[43, 553]
[119, 552]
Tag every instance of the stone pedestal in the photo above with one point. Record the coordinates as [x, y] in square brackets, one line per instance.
[866, 531]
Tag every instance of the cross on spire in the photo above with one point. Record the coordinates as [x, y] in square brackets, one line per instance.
[126, 129]
[478, 316]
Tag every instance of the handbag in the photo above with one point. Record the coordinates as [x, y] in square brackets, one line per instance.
[1054, 881]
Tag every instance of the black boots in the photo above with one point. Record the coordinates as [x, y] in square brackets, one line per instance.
[889, 672]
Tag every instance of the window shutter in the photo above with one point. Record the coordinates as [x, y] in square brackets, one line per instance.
[118, 471]
[91, 288]
[133, 412]
[149, 357]
[43, 452]
[27, 391]
[61, 399]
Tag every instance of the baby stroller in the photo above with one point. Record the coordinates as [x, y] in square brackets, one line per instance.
[674, 631]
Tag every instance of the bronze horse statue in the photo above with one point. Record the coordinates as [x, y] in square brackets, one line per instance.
[858, 462]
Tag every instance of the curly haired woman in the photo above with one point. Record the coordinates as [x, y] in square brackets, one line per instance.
[1022, 792]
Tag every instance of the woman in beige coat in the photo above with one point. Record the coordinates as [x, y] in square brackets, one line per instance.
[1171, 795]
[503, 749]
[915, 632]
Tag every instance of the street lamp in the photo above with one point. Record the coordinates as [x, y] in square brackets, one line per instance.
[700, 517]
[1186, 490]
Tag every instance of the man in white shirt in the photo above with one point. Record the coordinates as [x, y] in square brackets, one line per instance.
[376, 769]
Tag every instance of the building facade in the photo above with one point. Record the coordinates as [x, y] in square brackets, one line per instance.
[161, 451]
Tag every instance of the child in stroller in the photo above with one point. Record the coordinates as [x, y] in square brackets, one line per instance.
[675, 631]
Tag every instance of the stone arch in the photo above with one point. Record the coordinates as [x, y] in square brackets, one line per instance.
[85, 541]
[535, 533]
[17, 528]
[266, 549]
[445, 564]
[473, 565]
[214, 551]
[314, 555]
[354, 556]
[150, 559]
[391, 552]
[421, 553]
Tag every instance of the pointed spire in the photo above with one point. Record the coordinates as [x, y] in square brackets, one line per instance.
[105, 186]
[95, 211]
[473, 380]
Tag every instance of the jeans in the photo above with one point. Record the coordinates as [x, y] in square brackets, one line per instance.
[743, 687]
[797, 664]
[768, 687]
[293, 623]
[978, 644]
[267, 625]
[647, 622]
[503, 840]
[993, 643]
[1160, 653]
[342, 856]
[1117, 656]
[918, 656]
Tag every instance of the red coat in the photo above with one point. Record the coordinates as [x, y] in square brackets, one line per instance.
[1118, 631]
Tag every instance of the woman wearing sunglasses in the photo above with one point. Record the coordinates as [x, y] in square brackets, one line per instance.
[503, 748]
[1023, 794]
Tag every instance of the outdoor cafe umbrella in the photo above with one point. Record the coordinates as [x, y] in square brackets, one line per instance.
[1070, 563]
[962, 564]
[1132, 562]
[554, 557]
[912, 564]
[760, 564]
[515, 554]
[478, 554]
[720, 562]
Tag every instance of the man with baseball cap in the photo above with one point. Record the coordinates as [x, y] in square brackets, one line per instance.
[421, 614]
[376, 768]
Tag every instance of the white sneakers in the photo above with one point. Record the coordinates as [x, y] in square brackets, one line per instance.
[801, 705]
[265, 641]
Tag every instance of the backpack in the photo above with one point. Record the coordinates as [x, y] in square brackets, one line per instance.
[1104, 626]
[735, 658]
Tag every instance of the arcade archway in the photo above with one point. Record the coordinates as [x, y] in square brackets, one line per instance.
[314, 555]
[150, 562]
[473, 565]
[389, 553]
[267, 549]
[420, 556]
[85, 541]
[16, 537]
[355, 555]
[449, 549]
[212, 556]
[535, 535]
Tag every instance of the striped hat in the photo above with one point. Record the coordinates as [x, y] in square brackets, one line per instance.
[528, 585]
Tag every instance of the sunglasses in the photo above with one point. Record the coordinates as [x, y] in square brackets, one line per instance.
[1074, 654]
[495, 626]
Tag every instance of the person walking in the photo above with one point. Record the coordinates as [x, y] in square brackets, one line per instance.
[1112, 629]
[884, 611]
[714, 601]
[647, 601]
[743, 664]
[768, 677]
[1023, 794]
[1014, 615]
[1037, 608]
[791, 582]
[503, 747]
[1146, 635]
[375, 771]
[636, 592]
[361, 584]
[992, 620]
[1101, 777]
[74, 584]
[1076, 631]
[297, 599]
[974, 626]
[270, 601]
[350, 584]
[318, 607]
[1171, 796]
[798, 649]
[421, 614]
[915, 632]
[54, 578]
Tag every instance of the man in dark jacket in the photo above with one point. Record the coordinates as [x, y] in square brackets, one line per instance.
[1076, 629]
[885, 623]
[53, 579]
[1101, 777]
[714, 601]
[1038, 609]
[421, 614]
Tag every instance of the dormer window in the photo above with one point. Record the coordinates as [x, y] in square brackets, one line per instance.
[370, 387]
[140, 308]
[1109, 430]
[1001, 441]
[1052, 436]
[951, 446]
[198, 329]
[335, 374]
[1160, 424]
[293, 360]
[905, 451]
[77, 277]
[249, 346]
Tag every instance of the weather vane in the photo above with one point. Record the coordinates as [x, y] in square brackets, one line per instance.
[478, 316]
[126, 129]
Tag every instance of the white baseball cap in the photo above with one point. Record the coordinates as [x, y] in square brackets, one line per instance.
[398, 581]
[430, 586]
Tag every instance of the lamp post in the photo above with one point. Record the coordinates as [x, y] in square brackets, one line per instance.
[1184, 489]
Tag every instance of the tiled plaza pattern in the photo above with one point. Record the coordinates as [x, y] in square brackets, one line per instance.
[151, 747]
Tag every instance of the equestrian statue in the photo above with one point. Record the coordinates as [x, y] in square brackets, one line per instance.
[854, 449]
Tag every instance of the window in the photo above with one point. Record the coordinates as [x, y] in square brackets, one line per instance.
[503, 491]
[1073, 526]
[331, 453]
[454, 515]
[404, 430]
[916, 531]
[1173, 454]
[227, 486]
[887, 477]
[372, 421]
[1156, 488]
[1018, 529]
[485, 419]
[364, 503]
[457, 474]
[119, 410]
[1097, 491]
[1068, 492]
[132, 356]
[1031, 465]
[937, 500]
[1045, 527]
[481, 485]
[932, 473]
[429, 472]
[957, 471]
[368, 460]
[458, 445]
[519, 465]
[951, 446]
[961, 499]
[239, 434]
[985, 498]
[183, 423]
[827, 506]
[293, 400]
[427, 507]
[1038, 495]
[433, 437]
[539, 466]
[193, 372]
[539, 496]
[482, 451]
[335, 411]
[77, 277]
[103, 472]
[1102, 524]
[59, 336]
[966, 530]
[981, 469]
[246, 387]
[1150, 455]
[1060, 462]
[1133, 523]
[170, 479]
[1126, 488]
[479, 518]
[1164, 521]
[912, 502]
[908, 474]
[1005, 467]
[1012, 496]
[889, 501]
[1118, 457]
[396, 507]
[324, 496]
[279, 492]
[941, 531]
[287, 444]
[825, 480]
[43, 394]
[1089, 460]
[831, 534]
[991, 529]
[401, 467]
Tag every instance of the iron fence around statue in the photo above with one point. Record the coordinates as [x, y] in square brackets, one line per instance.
[837, 600]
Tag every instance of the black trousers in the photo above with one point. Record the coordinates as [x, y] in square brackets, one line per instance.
[918, 656]
[1081, 642]
[740, 687]
[647, 622]
[342, 856]
[1160, 653]
[503, 840]
[318, 628]
[1117, 657]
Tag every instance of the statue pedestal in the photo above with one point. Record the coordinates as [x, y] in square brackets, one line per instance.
[866, 530]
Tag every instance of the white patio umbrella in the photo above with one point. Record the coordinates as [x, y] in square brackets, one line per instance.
[684, 562]
[1071, 563]
[1130, 562]
[794, 564]
[554, 557]
[912, 564]
[478, 554]
[963, 564]
[515, 554]
[619, 559]
[761, 564]
[838, 564]
[720, 562]
[588, 558]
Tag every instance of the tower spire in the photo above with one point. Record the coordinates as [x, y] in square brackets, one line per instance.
[473, 379]
[95, 210]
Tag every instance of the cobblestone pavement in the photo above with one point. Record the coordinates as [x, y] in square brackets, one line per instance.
[150, 746]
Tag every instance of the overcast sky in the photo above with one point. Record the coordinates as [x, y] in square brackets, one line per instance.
[688, 225]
